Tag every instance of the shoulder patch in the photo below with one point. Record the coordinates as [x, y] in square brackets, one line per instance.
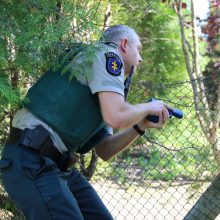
[113, 64]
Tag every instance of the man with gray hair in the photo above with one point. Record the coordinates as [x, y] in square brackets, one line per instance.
[66, 115]
[117, 33]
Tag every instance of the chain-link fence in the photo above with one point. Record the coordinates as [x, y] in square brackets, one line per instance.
[166, 171]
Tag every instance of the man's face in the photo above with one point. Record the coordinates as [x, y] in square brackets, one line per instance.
[132, 56]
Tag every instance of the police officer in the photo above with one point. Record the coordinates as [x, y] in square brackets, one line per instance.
[63, 115]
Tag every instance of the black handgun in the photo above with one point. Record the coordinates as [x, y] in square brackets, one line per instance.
[172, 112]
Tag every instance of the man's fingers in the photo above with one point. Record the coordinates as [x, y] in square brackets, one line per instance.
[168, 106]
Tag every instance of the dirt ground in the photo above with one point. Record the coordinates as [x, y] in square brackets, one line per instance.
[158, 201]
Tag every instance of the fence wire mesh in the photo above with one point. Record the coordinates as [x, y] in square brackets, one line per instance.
[166, 171]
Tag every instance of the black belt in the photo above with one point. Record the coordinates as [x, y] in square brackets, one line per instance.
[38, 139]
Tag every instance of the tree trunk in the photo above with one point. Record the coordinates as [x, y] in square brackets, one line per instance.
[208, 205]
[12, 71]
[107, 17]
[90, 169]
[208, 122]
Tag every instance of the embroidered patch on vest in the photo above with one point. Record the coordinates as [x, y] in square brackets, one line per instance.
[113, 64]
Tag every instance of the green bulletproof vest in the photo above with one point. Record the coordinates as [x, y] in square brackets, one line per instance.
[67, 106]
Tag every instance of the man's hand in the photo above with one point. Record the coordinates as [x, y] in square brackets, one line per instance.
[157, 108]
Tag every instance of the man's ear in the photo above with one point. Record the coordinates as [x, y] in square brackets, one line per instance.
[123, 45]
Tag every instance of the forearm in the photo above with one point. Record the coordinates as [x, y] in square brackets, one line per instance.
[119, 114]
[114, 144]
[132, 114]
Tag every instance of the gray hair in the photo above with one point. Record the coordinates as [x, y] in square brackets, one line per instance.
[117, 32]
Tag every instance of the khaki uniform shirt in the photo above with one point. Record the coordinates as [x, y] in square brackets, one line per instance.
[107, 74]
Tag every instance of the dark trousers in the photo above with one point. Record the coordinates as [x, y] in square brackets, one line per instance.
[43, 192]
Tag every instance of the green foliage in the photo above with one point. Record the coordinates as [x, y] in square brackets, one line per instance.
[163, 53]
[9, 207]
[182, 163]
[41, 30]
[36, 34]
[7, 94]
[158, 28]
[33, 35]
[79, 66]
[186, 164]
[180, 151]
